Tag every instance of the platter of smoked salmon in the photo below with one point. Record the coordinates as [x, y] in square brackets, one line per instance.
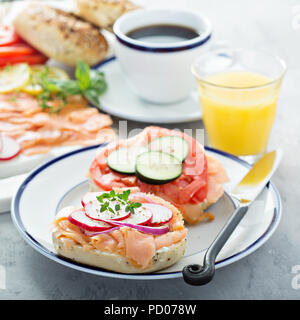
[44, 109]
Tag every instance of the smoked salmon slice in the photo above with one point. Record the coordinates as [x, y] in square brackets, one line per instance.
[37, 131]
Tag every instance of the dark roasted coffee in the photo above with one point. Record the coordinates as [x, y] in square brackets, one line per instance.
[163, 33]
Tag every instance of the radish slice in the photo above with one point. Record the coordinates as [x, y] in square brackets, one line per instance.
[150, 230]
[141, 216]
[79, 218]
[10, 148]
[160, 214]
[92, 210]
[1, 143]
[92, 234]
[90, 196]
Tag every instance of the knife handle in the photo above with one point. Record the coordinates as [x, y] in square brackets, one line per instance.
[197, 275]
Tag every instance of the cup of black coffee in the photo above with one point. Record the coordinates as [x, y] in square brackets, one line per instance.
[156, 47]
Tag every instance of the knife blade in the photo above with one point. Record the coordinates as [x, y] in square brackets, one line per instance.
[257, 177]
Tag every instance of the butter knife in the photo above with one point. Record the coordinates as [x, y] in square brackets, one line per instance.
[243, 195]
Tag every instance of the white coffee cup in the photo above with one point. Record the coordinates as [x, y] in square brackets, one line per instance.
[160, 72]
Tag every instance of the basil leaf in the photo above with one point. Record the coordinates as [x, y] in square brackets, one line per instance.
[83, 75]
[89, 83]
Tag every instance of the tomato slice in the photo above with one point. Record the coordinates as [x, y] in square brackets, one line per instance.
[17, 49]
[35, 58]
[8, 35]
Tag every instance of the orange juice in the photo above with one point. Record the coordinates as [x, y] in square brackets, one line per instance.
[238, 110]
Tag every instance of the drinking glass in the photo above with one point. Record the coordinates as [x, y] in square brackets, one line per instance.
[238, 93]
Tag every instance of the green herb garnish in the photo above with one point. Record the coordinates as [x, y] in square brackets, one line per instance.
[12, 99]
[88, 83]
[106, 198]
[15, 96]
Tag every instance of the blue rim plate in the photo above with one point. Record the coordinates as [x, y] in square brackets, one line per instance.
[35, 181]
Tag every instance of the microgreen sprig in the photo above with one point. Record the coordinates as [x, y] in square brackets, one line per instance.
[123, 198]
[88, 83]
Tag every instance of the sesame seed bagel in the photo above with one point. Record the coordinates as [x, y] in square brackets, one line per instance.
[60, 35]
[103, 13]
[163, 257]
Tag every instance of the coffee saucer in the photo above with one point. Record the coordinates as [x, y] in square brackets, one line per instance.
[119, 100]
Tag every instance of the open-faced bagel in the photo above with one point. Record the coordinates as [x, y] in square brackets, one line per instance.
[85, 251]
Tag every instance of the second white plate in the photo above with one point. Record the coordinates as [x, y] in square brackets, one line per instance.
[119, 100]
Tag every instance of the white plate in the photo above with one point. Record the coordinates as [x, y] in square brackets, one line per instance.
[42, 194]
[119, 100]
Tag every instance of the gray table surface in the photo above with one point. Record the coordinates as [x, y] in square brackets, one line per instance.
[267, 273]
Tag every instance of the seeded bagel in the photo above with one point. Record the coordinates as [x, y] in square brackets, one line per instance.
[60, 35]
[163, 257]
[103, 13]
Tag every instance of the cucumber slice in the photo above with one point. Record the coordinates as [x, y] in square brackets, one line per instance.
[123, 160]
[177, 146]
[156, 167]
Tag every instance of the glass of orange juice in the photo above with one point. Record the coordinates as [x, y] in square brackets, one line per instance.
[238, 92]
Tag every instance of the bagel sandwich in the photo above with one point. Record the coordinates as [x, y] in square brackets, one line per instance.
[167, 163]
[151, 238]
